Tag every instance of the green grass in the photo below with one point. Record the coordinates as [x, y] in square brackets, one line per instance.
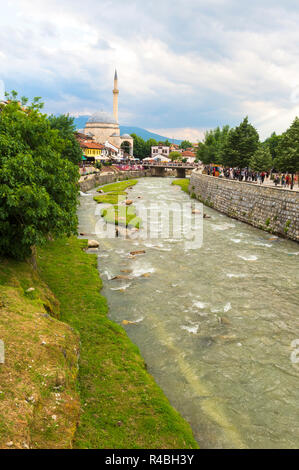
[122, 406]
[38, 349]
[111, 198]
[120, 186]
[183, 183]
[121, 215]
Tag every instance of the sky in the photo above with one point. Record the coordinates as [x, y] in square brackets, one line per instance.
[184, 66]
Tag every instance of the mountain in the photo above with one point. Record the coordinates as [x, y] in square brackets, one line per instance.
[81, 121]
[146, 134]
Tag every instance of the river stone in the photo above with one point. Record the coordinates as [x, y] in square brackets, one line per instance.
[224, 321]
[93, 244]
[138, 252]
[120, 276]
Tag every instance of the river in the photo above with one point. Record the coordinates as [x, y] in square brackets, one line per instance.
[215, 325]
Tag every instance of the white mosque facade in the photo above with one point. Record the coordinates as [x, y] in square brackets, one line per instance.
[104, 127]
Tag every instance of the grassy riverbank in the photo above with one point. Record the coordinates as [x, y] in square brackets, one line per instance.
[121, 405]
[183, 183]
[39, 401]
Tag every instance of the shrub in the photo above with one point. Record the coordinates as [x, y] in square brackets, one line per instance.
[38, 183]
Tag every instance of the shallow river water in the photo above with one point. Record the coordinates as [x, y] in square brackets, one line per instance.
[215, 325]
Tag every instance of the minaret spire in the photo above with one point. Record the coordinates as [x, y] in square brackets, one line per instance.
[115, 97]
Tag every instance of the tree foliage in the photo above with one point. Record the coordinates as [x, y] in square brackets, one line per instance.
[38, 185]
[242, 143]
[287, 159]
[211, 150]
[70, 148]
[185, 144]
[175, 155]
[261, 160]
[273, 143]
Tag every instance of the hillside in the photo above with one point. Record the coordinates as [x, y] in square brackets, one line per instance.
[145, 134]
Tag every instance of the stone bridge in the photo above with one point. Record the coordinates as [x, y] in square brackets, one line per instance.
[158, 168]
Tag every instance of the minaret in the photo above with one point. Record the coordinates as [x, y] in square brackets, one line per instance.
[115, 97]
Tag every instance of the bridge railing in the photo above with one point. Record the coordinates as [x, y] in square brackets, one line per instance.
[171, 164]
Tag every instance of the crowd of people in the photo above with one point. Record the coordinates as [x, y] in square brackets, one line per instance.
[247, 175]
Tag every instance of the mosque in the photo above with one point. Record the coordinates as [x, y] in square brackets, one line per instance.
[104, 128]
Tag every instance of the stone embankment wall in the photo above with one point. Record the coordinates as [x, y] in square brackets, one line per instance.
[267, 208]
[91, 181]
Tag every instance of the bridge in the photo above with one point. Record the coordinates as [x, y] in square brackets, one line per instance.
[158, 168]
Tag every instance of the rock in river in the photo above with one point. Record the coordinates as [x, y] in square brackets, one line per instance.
[93, 244]
[138, 252]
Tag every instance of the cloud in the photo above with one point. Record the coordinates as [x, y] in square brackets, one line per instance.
[184, 65]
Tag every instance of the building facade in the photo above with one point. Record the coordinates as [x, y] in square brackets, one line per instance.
[160, 150]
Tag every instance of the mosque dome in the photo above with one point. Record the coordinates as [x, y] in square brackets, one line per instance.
[102, 117]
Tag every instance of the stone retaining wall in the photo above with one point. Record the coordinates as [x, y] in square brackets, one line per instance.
[91, 181]
[271, 209]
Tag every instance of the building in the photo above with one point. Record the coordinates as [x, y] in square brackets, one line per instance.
[160, 150]
[174, 147]
[103, 127]
[92, 150]
[190, 156]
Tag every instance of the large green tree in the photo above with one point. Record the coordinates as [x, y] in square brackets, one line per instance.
[38, 186]
[69, 147]
[273, 143]
[242, 143]
[261, 160]
[287, 159]
[211, 150]
[139, 147]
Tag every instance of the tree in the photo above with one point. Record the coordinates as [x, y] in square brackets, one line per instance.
[38, 186]
[148, 146]
[70, 148]
[287, 159]
[139, 147]
[185, 144]
[175, 156]
[125, 146]
[272, 143]
[261, 160]
[211, 150]
[242, 143]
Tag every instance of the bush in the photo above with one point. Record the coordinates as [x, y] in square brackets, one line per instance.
[38, 184]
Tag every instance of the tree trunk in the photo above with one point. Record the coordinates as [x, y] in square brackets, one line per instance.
[33, 258]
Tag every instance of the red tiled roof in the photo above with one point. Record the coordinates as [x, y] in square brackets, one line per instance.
[187, 153]
[81, 136]
[91, 145]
